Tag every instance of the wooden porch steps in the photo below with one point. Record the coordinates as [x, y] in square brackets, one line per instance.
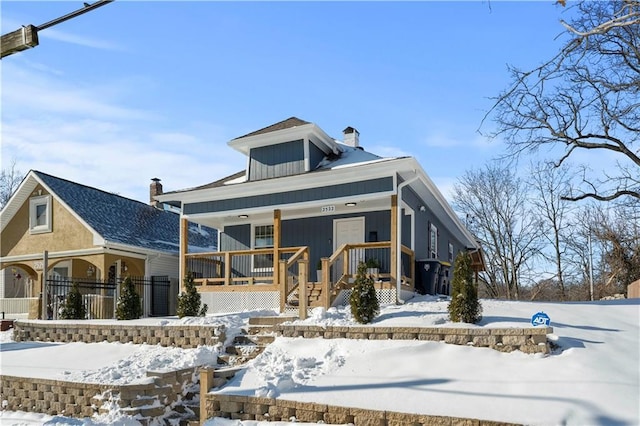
[314, 296]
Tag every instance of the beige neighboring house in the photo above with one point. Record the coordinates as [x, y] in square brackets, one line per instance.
[633, 290]
[88, 234]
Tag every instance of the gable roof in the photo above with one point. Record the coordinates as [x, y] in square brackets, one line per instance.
[281, 125]
[121, 220]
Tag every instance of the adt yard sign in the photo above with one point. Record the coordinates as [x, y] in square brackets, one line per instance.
[540, 318]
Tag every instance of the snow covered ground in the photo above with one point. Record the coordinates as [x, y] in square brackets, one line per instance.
[592, 379]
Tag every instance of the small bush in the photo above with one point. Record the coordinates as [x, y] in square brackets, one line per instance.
[464, 305]
[189, 300]
[73, 307]
[129, 303]
[363, 301]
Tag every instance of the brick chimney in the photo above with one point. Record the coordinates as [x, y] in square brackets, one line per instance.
[351, 137]
[154, 189]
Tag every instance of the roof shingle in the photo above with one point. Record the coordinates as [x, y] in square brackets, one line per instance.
[122, 220]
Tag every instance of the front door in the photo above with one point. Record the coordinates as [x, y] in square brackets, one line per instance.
[347, 231]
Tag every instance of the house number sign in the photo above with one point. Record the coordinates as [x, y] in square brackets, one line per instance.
[328, 209]
[38, 265]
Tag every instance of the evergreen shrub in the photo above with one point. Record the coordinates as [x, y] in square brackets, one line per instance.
[363, 300]
[129, 303]
[189, 300]
[73, 307]
[464, 305]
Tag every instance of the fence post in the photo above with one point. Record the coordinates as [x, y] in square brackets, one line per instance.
[116, 297]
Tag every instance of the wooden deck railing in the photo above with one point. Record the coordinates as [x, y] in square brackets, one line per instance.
[339, 270]
[252, 270]
[238, 267]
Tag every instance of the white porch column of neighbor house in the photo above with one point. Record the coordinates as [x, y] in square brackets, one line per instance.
[399, 237]
[45, 271]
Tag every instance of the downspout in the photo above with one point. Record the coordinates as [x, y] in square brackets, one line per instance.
[399, 236]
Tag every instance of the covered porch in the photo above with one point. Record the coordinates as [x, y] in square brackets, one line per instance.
[293, 278]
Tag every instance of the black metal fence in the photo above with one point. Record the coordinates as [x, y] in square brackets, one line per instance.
[100, 297]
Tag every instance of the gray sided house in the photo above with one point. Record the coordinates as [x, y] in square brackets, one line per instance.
[306, 211]
[91, 237]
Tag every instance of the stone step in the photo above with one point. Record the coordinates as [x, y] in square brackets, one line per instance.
[226, 372]
[229, 360]
[271, 320]
[143, 400]
[247, 351]
[253, 339]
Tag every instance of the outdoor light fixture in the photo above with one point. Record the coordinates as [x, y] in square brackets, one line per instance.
[124, 267]
[350, 204]
[90, 270]
[243, 216]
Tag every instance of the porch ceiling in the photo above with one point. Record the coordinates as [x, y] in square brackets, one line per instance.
[369, 202]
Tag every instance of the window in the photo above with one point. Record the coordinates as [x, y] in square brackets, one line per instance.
[433, 242]
[450, 252]
[40, 214]
[263, 238]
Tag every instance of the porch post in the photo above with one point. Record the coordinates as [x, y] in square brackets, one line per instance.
[276, 245]
[394, 238]
[303, 265]
[326, 290]
[184, 245]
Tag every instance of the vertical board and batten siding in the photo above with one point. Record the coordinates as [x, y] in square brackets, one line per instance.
[316, 155]
[236, 237]
[314, 232]
[422, 222]
[371, 186]
[274, 161]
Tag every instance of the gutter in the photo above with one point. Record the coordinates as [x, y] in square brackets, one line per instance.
[399, 236]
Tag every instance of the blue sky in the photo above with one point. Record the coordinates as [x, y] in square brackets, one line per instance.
[136, 90]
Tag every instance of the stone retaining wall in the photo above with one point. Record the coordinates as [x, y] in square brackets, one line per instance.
[270, 409]
[528, 340]
[54, 397]
[183, 336]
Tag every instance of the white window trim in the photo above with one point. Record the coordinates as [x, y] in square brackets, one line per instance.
[33, 203]
[433, 248]
[253, 247]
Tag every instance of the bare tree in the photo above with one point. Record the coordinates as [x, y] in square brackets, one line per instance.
[584, 99]
[605, 247]
[9, 181]
[618, 229]
[494, 201]
[549, 184]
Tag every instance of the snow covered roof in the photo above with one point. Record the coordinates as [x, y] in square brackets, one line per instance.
[122, 220]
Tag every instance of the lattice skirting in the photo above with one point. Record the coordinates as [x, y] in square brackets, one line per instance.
[385, 297]
[241, 301]
[270, 300]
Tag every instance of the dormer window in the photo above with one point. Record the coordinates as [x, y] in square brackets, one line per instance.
[40, 214]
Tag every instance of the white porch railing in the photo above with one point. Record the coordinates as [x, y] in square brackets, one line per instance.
[16, 306]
